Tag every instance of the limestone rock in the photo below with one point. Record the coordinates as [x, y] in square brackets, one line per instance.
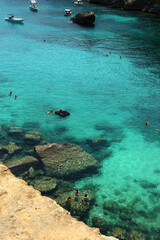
[22, 163]
[84, 18]
[26, 215]
[65, 160]
[152, 6]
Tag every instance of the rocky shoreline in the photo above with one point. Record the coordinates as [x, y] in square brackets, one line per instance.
[26, 215]
[53, 169]
[149, 6]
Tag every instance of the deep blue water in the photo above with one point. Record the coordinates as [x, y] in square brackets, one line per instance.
[107, 96]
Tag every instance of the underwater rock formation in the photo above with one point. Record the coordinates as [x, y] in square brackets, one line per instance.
[20, 164]
[97, 143]
[44, 184]
[32, 137]
[84, 18]
[65, 160]
[26, 215]
[11, 148]
[15, 131]
[102, 224]
[111, 206]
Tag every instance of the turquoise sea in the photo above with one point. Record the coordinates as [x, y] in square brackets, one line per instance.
[107, 96]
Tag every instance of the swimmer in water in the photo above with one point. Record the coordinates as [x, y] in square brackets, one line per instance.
[49, 112]
[15, 97]
[10, 94]
[147, 123]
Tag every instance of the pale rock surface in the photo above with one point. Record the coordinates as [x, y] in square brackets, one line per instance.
[26, 215]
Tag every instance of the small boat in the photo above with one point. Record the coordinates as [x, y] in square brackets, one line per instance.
[33, 7]
[12, 18]
[78, 2]
[67, 12]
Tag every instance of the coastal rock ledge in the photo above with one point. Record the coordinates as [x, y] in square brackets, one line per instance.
[26, 215]
[87, 18]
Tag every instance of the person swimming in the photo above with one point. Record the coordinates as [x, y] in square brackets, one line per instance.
[147, 123]
[15, 97]
[68, 199]
[49, 112]
[86, 198]
[10, 94]
[77, 192]
[68, 203]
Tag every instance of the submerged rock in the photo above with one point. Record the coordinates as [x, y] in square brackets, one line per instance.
[23, 163]
[11, 148]
[111, 206]
[62, 187]
[146, 184]
[135, 235]
[102, 224]
[119, 233]
[97, 142]
[32, 137]
[44, 184]
[84, 18]
[15, 131]
[65, 160]
[31, 173]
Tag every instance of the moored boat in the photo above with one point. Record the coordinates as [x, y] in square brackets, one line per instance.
[78, 2]
[67, 12]
[12, 18]
[33, 7]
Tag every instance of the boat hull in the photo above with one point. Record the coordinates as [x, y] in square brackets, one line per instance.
[34, 9]
[78, 3]
[16, 20]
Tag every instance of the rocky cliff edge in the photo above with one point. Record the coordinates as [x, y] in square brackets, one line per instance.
[151, 6]
[26, 215]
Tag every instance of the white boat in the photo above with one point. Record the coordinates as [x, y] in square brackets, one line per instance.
[12, 18]
[78, 2]
[33, 7]
[67, 12]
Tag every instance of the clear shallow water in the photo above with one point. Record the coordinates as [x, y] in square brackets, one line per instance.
[71, 71]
